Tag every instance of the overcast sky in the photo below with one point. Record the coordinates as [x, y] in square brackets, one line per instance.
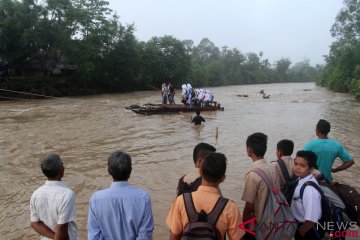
[297, 29]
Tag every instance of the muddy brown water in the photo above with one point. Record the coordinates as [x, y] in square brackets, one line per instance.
[85, 130]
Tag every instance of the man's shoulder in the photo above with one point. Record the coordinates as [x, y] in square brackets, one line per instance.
[267, 167]
[310, 143]
[61, 192]
[54, 188]
[130, 191]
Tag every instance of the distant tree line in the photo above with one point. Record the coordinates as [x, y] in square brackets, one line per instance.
[342, 70]
[62, 47]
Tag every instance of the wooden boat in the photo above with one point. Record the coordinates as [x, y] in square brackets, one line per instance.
[149, 108]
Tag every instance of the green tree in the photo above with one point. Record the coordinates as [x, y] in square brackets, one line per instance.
[282, 68]
[166, 57]
[232, 62]
[340, 72]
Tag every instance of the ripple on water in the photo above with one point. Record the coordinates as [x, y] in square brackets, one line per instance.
[84, 131]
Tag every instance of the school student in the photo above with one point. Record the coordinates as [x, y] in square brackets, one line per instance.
[284, 150]
[192, 180]
[212, 171]
[306, 210]
[256, 192]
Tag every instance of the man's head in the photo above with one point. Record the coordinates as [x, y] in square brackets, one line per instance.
[201, 151]
[256, 145]
[119, 166]
[52, 167]
[213, 168]
[323, 127]
[197, 112]
[304, 163]
[284, 147]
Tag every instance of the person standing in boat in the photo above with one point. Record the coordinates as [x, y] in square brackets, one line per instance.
[187, 93]
[171, 94]
[165, 92]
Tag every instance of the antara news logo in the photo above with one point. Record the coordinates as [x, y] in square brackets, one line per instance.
[334, 229]
[342, 229]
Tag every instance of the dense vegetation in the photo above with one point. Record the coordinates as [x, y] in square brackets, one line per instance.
[342, 70]
[99, 54]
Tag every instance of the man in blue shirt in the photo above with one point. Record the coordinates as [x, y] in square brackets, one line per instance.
[327, 150]
[120, 211]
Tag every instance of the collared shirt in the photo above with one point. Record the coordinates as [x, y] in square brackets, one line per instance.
[205, 199]
[309, 207]
[190, 182]
[120, 212]
[327, 150]
[255, 190]
[54, 203]
[289, 163]
[192, 175]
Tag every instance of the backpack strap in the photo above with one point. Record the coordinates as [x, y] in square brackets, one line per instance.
[212, 217]
[264, 177]
[215, 213]
[190, 208]
[314, 185]
[284, 170]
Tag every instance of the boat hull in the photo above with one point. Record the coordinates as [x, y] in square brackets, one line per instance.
[150, 109]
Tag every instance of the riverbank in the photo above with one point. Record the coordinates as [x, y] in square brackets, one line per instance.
[85, 130]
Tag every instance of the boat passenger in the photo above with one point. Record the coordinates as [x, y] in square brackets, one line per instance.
[187, 93]
[171, 94]
[165, 92]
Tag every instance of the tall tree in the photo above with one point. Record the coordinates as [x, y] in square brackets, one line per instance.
[340, 72]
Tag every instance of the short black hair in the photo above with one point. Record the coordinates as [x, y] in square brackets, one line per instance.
[119, 166]
[309, 156]
[323, 126]
[258, 143]
[202, 150]
[197, 111]
[214, 167]
[51, 165]
[286, 147]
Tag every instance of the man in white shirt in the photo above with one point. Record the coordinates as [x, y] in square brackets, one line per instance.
[306, 210]
[52, 205]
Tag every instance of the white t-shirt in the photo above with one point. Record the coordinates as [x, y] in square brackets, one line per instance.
[309, 208]
[54, 203]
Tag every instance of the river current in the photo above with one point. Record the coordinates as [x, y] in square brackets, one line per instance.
[85, 130]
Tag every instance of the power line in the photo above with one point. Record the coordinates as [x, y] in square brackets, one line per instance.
[33, 94]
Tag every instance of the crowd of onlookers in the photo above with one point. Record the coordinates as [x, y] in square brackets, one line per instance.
[123, 211]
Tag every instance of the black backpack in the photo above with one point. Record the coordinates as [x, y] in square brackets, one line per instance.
[329, 212]
[350, 196]
[184, 187]
[290, 182]
[202, 225]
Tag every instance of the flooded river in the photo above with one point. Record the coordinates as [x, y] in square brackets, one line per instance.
[85, 130]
